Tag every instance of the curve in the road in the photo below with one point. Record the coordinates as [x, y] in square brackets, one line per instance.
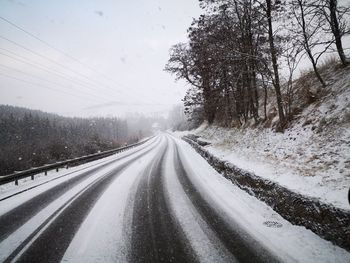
[155, 235]
[238, 242]
[20, 214]
[49, 242]
[156, 232]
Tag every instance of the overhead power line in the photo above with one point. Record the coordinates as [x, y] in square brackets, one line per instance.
[89, 95]
[42, 86]
[52, 61]
[43, 68]
[59, 51]
[49, 59]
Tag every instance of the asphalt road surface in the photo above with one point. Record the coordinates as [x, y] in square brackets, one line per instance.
[142, 205]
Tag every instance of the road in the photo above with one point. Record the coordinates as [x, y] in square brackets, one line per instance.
[152, 203]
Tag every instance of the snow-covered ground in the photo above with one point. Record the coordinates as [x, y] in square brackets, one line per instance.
[105, 235]
[291, 243]
[312, 157]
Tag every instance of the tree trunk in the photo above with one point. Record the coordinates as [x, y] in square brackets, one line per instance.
[265, 96]
[314, 66]
[306, 43]
[336, 31]
[276, 82]
[208, 96]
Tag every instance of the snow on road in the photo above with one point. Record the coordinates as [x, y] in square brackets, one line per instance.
[44, 182]
[25, 231]
[203, 240]
[105, 233]
[291, 243]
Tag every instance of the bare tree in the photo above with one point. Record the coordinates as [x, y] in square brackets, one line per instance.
[273, 52]
[308, 32]
[335, 17]
[292, 55]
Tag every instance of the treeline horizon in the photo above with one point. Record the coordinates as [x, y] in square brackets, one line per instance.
[237, 48]
[30, 138]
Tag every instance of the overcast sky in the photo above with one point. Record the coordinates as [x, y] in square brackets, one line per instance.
[118, 49]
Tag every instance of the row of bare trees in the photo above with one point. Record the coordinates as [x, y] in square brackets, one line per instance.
[237, 47]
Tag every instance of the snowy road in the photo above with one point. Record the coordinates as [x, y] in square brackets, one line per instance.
[159, 202]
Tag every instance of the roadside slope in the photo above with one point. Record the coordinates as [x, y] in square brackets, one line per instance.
[311, 157]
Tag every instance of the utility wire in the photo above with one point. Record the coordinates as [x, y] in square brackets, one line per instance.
[42, 86]
[43, 68]
[51, 82]
[48, 59]
[45, 57]
[57, 50]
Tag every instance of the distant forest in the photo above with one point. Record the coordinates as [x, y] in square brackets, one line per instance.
[30, 138]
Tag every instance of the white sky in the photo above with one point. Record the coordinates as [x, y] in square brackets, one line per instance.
[125, 45]
[122, 44]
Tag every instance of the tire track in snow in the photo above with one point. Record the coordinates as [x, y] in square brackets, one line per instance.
[66, 174]
[239, 243]
[202, 239]
[104, 234]
[51, 239]
[155, 235]
[20, 214]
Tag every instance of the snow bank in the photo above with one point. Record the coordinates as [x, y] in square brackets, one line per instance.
[327, 221]
[312, 157]
[292, 243]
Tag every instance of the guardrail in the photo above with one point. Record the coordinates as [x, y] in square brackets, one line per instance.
[91, 157]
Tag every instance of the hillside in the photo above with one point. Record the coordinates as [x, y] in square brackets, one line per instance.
[312, 155]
